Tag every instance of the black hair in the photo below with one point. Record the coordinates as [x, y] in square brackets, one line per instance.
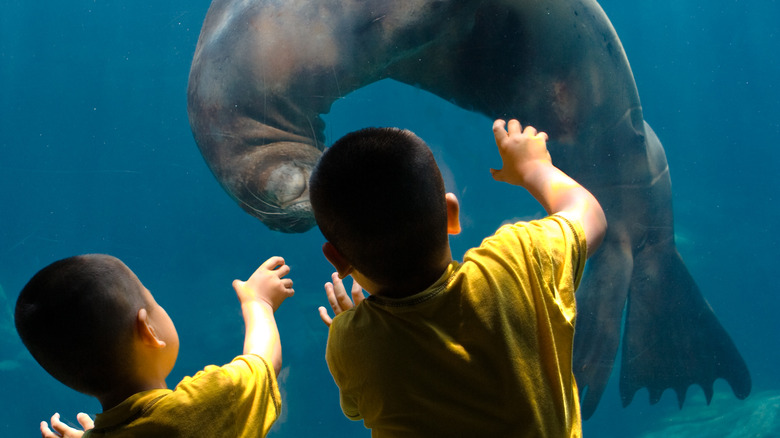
[76, 317]
[378, 197]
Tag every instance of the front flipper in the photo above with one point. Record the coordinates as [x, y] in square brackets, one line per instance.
[601, 298]
[672, 338]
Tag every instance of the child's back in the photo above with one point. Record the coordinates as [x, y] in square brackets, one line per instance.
[485, 350]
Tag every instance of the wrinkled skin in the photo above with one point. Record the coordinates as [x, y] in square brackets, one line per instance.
[264, 71]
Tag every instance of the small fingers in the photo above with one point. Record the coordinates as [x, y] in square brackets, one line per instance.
[272, 263]
[357, 292]
[269, 265]
[341, 293]
[58, 425]
[85, 421]
[498, 127]
[46, 432]
[331, 295]
[532, 132]
[60, 429]
[514, 127]
[324, 316]
[282, 270]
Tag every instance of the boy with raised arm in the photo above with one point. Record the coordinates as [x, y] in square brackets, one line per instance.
[442, 348]
[92, 325]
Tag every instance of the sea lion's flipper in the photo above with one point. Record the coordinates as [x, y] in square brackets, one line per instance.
[672, 338]
[601, 298]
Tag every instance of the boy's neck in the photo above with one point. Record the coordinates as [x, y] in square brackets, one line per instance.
[413, 285]
[122, 393]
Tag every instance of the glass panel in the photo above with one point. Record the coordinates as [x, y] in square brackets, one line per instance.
[97, 155]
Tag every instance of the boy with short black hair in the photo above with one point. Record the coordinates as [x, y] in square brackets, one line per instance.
[91, 324]
[441, 348]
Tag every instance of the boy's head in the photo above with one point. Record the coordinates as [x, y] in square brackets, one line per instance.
[378, 197]
[79, 317]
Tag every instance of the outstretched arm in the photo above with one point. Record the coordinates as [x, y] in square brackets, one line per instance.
[260, 296]
[527, 163]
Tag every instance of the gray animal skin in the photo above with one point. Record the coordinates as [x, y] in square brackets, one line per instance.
[264, 71]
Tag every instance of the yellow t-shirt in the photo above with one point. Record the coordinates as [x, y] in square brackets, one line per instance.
[240, 399]
[485, 351]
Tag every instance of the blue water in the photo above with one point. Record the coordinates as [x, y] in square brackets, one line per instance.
[96, 155]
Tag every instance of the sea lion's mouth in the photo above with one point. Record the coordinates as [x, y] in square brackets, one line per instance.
[295, 217]
[292, 217]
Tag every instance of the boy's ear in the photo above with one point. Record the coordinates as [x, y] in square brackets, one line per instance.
[146, 331]
[343, 267]
[453, 214]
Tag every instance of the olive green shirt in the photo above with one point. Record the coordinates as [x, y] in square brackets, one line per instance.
[240, 399]
[485, 351]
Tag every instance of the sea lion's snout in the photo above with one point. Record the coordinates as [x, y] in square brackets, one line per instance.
[288, 188]
[289, 184]
[273, 185]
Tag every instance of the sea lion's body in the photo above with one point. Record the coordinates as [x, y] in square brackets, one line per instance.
[264, 72]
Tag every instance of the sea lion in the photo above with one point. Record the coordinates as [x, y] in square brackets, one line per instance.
[264, 72]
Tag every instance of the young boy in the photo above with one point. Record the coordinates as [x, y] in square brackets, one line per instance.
[441, 348]
[92, 325]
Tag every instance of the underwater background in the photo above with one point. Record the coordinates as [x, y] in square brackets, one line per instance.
[96, 155]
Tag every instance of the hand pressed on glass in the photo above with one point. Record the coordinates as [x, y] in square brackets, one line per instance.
[338, 299]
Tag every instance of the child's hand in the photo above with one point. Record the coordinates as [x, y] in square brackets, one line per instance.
[520, 150]
[63, 430]
[266, 284]
[338, 299]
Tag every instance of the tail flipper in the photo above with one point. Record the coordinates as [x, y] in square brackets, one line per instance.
[672, 338]
[601, 298]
